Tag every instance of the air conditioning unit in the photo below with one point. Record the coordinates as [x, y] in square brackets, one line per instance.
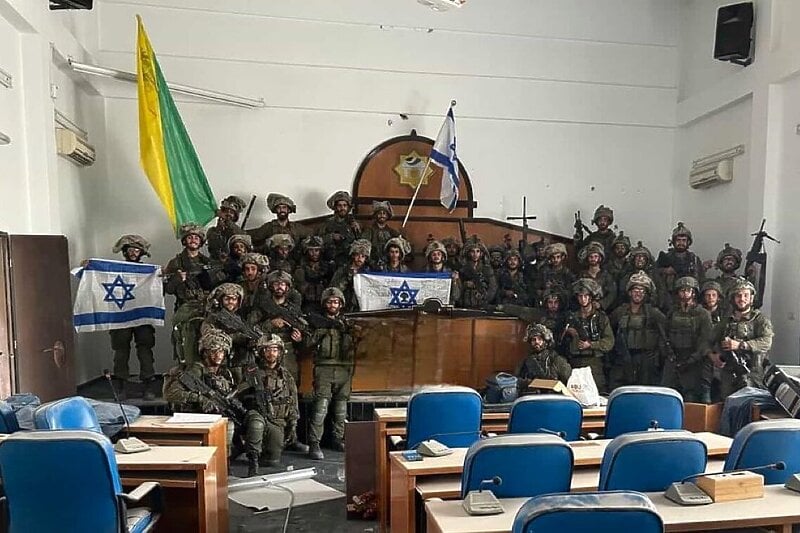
[75, 148]
[442, 5]
[709, 175]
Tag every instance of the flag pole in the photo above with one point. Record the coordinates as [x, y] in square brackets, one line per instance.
[422, 177]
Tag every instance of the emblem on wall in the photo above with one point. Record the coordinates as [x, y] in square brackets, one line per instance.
[410, 168]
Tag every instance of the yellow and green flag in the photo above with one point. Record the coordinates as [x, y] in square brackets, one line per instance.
[166, 151]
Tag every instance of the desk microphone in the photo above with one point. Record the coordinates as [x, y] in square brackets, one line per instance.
[562, 434]
[478, 502]
[684, 493]
[128, 444]
[495, 481]
[780, 465]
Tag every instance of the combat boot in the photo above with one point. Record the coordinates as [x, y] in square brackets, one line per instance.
[314, 452]
[252, 464]
[297, 446]
[337, 445]
[149, 393]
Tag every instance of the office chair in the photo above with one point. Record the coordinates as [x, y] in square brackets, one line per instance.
[765, 442]
[527, 465]
[67, 481]
[598, 512]
[637, 408]
[649, 461]
[450, 415]
[8, 419]
[66, 413]
[542, 413]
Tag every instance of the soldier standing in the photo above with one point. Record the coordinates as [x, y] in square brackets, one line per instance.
[555, 274]
[496, 258]
[238, 246]
[280, 247]
[478, 284]
[729, 260]
[742, 341]
[282, 206]
[218, 235]
[679, 261]
[541, 362]
[334, 359]
[618, 264]
[379, 233]
[689, 330]
[254, 282]
[436, 255]
[640, 331]
[642, 260]
[511, 285]
[603, 218]
[711, 296]
[227, 298]
[592, 257]
[343, 277]
[341, 229]
[134, 248]
[312, 275]
[590, 332]
[453, 249]
[392, 260]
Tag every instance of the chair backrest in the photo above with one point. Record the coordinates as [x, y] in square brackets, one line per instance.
[527, 465]
[66, 413]
[8, 418]
[64, 481]
[649, 461]
[450, 415]
[636, 408]
[598, 512]
[548, 412]
[766, 442]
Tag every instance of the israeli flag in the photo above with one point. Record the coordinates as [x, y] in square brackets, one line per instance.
[117, 295]
[382, 290]
[444, 155]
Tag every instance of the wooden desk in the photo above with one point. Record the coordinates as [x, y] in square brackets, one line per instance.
[188, 476]
[404, 475]
[155, 430]
[392, 422]
[778, 508]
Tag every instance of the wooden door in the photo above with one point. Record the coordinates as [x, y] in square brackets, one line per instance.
[6, 362]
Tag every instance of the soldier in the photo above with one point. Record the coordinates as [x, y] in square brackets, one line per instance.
[642, 260]
[312, 275]
[640, 331]
[189, 276]
[711, 297]
[496, 258]
[254, 282]
[271, 400]
[511, 285]
[591, 257]
[436, 255]
[478, 284]
[238, 246]
[689, 330]
[551, 314]
[453, 249]
[343, 277]
[134, 248]
[282, 206]
[227, 216]
[379, 233]
[618, 265]
[679, 261]
[603, 218]
[227, 299]
[742, 341]
[729, 260]
[394, 254]
[555, 273]
[341, 229]
[590, 332]
[334, 359]
[280, 247]
[541, 362]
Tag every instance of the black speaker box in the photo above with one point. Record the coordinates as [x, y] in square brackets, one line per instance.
[71, 4]
[733, 41]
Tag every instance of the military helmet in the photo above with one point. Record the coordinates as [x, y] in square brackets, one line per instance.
[640, 279]
[279, 275]
[686, 282]
[451, 241]
[265, 341]
[603, 211]
[384, 206]
[361, 246]
[741, 284]
[226, 289]
[553, 292]
[622, 239]
[399, 242]
[513, 252]
[190, 228]
[436, 246]
[314, 241]
[538, 330]
[587, 286]
[243, 238]
[235, 204]
[681, 229]
[339, 195]
[732, 252]
[332, 292]
[260, 260]
[711, 285]
[592, 248]
[497, 249]
[281, 239]
[555, 248]
[132, 241]
[641, 249]
[275, 199]
[215, 340]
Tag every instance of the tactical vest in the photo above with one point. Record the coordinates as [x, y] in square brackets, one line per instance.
[641, 333]
[277, 387]
[683, 329]
[335, 347]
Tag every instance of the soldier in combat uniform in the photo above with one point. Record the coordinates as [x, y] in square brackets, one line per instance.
[478, 284]
[604, 235]
[592, 257]
[729, 260]
[341, 229]
[227, 217]
[379, 233]
[282, 206]
[679, 261]
[555, 274]
[313, 274]
[343, 277]
[541, 362]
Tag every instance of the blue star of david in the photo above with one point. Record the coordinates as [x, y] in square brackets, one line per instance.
[403, 296]
[111, 291]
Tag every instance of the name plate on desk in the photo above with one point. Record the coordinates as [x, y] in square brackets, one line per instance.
[732, 486]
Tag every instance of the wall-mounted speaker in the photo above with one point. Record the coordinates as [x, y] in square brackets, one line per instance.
[70, 4]
[734, 36]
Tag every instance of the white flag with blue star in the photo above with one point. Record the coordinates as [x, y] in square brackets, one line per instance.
[117, 295]
[381, 290]
[443, 154]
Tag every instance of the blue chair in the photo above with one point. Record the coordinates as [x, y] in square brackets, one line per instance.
[8, 419]
[766, 442]
[527, 465]
[637, 408]
[67, 413]
[649, 461]
[67, 481]
[450, 415]
[598, 512]
[542, 413]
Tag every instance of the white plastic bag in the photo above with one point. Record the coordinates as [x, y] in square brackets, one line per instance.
[581, 384]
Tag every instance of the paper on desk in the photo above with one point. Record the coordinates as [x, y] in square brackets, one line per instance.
[305, 491]
[192, 418]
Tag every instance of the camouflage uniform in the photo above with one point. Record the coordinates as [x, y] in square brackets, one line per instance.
[598, 330]
[343, 277]
[553, 278]
[251, 292]
[276, 260]
[727, 279]
[684, 263]
[233, 262]
[213, 322]
[603, 237]
[659, 296]
[716, 314]
[545, 364]
[217, 236]
[377, 235]
[496, 256]
[455, 284]
[512, 288]
[311, 277]
[453, 249]
[689, 334]
[478, 284]
[602, 278]
[334, 361]
[274, 226]
[339, 232]
[639, 335]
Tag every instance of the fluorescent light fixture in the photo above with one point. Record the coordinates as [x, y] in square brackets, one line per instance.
[4, 139]
[6, 80]
[273, 479]
[224, 98]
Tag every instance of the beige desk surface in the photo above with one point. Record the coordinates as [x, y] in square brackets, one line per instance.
[168, 458]
[398, 414]
[777, 505]
[158, 424]
[585, 453]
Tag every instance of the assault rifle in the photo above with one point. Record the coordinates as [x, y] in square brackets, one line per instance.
[667, 351]
[254, 382]
[233, 322]
[580, 228]
[320, 321]
[294, 318]
[736, 362]
[756, 266]
[249, 209]
[226, 405]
